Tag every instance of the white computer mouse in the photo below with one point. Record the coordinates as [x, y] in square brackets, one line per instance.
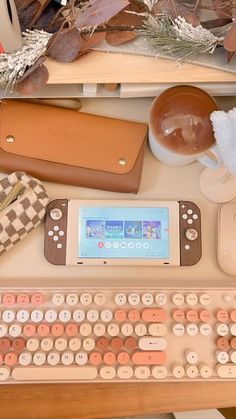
[227, 238]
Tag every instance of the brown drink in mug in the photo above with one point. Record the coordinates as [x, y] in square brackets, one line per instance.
[180, 130]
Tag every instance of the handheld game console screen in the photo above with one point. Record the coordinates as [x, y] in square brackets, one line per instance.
[123, 233]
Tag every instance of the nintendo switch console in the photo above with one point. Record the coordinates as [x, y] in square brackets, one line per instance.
[104, 232]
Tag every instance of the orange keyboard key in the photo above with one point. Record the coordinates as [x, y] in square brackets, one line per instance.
[233, 343]
[18, 344]
[222, 316]
[5, 344]
[43, 330]
[233, 316]
[23, 299]
[192, 316]
[9, 299]
[95, 358]
[116, 343]
[222, 343]
[57, 330]
[71, 329]
[205, 316]
[109, 358]
[102, 343]
[149, 358]
[131, 343]
[154, 315]
[29, 330]
[178, 315]
[123, 358]
[37, 299]
[134, 315]
[120, 315]
[10, 359]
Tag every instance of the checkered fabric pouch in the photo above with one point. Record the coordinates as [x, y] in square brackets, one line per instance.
[25, 213]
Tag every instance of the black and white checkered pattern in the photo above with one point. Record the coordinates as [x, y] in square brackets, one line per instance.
[24, 214]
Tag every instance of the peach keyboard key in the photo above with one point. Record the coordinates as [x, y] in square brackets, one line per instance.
[9, 299]
[10, 359]
[71, 329]
[233, 316]
[222, 343]
[54, 373]
[43, 330]
[5, 344]
[29, 330]
[107, 373]
[109, 358]
[192, 316]
[123, 358]
[205, 315]
[22, 299]
[157, 329]
[154, 315]
[134, 315]
[233, 343]
[120, 315]
[222, 316]
[95, 358]
[178, 315]
[18, 344]
[125, 372]
[149, 358]
[57, 330]
[37, 299]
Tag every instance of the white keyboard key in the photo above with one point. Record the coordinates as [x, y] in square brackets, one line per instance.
[92, 316]
[159, 372]
[106, 315]
[99, 329]
[133, 299]
[157, 329]
[178, 329]
[50, 316]
[178, 371]
[152, 343]
[161, 299]
[78, 316]
[205, 371]
[142, 373]
[39, 358]
[191, 329]
[178, 299]
[232, 355]
[54, 373]
[58, 299]
[191, 299]
[127, 329]
[74, 344]
[113, 329]
[191, 357]
[86, 299]
[88, 344]
[53, 358]
[15, 330]
[232, 329]
[120, 299]
[3, 330]
[32, 344]
[25, 359]
[72, 299]
[36, 316]
[46, 344]
[191, 371]
[60, 344]
[222, 329]
[147, 299]
[67, 358]
[140, 329]
[125, 372]
[226, 371]
[64, 316]
[205, 329]
[85, 329]
[99, 299]
[107, 373]
[222, 357]
[23, 316]
[8, 316]
[4, 373]
[81, 358]
[205, 299]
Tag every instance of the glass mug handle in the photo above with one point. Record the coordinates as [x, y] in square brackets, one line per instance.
[212, 163]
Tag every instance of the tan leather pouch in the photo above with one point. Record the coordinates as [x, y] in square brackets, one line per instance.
[71, 147]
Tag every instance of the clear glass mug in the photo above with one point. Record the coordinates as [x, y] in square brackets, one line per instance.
[180, 130]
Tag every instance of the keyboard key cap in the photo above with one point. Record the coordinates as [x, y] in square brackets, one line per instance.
[57, 330]
[67, 358]
[157, 329]
[161, 299]
[226, 371]
[140, 329]
[147, 299]
[205, 371]
[18, 345]
[131, 343]
[127, 329]
[88, 344]
[191, 371]
[191, 299]
[43, 330]
[71, 330]
[133, 315]
[46, 344]
[72, 299]
[113, 329]
[81, 358]
[152, 343]
[159, 372]
[36, 316]
[95, 358]
[4, 373]
[142, 373]
[120, 299]
[86, 299]
[39, 358]
[37, 299]
[58, 299]
[99, 299]
[53, 358]
[148, 358]
[8, 316]
[25, 359]
[106, 315]
[120, 315]
[107, 373]
[54, 374]
[99, 329]
[178, 371]
[125, 372]
[50, 316]
[64, 316]
[109, 358]
[60, 344]
[8, 299]
[117, 343]
[123, 358]
[32, 344]
[10, 359]
[29, 330]
[102, 343]
[74, 344]
[23, 299]
[134, 299]
[85, 329]
[15, 330]
[154, 315]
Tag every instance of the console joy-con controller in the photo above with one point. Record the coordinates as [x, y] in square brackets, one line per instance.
[190, 233]
[56, 232]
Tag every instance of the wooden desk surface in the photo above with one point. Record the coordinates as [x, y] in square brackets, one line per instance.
[100, 401]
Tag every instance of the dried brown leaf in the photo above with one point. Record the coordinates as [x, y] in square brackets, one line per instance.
[230, 56]
[230, 38]
[65, 46]
[89, 41]
[33, 82]
[175, 8]
[98, 12]
[116, 37]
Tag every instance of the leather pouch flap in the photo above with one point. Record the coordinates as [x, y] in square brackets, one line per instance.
[70, 137]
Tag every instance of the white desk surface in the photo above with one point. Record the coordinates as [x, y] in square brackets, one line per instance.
[26, 260]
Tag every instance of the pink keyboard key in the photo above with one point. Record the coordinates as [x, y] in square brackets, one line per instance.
[192, 316]
[222, 343]
[233, 343]
[71, 329]
[37, 299]
[178, 315]
[233, 316]
[123, 358]
[149, 358]
[205, 316]
[95, 358]
[154, 315]
[120, 315]
[109, 358]
[10, 359]
[9, 299]
[29, 330]
[134, 315]
[22, 299]
[43, 330]
[222, 316]
[57, 330]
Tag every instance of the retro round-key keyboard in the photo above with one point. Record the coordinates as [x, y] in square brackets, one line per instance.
[117, 334]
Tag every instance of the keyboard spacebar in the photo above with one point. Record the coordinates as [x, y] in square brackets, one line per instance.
[54, 373]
